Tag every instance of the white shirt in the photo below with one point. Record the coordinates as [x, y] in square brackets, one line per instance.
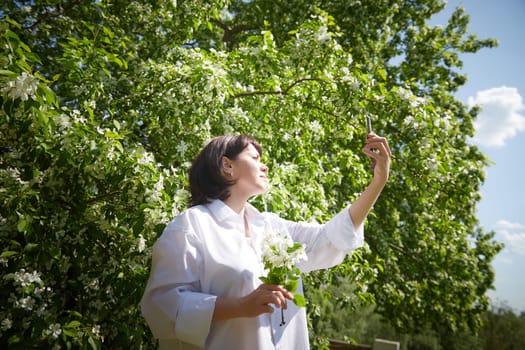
[204, 253]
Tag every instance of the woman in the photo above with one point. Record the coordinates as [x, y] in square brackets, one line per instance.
[204, 289]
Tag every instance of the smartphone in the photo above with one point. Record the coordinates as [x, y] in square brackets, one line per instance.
[368, 131]
[368, 125]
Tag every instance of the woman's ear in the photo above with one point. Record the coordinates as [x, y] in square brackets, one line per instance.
[227, 168]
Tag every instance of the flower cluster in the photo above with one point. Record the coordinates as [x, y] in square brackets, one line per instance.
[23, 87]
[280, 256]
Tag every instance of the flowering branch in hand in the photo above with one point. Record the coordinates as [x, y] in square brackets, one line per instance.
[280, 255]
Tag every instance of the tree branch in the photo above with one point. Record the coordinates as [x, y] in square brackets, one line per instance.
[230, 33]
[47, 15]
[277, 92]
[254, 93]
[102, 196]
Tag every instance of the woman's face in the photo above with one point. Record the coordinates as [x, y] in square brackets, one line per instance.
[248, 172]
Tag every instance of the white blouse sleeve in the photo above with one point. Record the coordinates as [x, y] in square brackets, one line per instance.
[326, 245]
[172, 303]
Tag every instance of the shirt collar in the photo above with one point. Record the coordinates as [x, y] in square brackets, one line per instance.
[222, 212]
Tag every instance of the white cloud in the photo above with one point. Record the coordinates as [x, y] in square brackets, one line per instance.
[500, 118]
[514, 241]
[513, 235]
[507, 225]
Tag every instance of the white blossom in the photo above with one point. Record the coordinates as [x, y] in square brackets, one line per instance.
[145, 158]
[111, 154]
[25, 279]
[153, 195]
[77, 117]
[410, 121]
[404, 93]
[155, 216]
[95, 330]
[54, 330]
[316, 128]
[181, 196]
[6, 324]
[412, 99]
[63, 121]
[322, 34]
[181, 148]
[286, 136]
[23, 87]
[26, 303]
[94, 284]
[417, 101]
[42, 310]
[276, 250]
[38, 291]
[141, 245]
[91, 104]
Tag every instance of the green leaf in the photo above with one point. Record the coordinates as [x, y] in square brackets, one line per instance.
[291, 285]
[299, 300]
[8, 73]
[92, 343]
[382, 74]
[74, 313]
[14, 339]
[118, 145]
[73, 324]
[112, 134]
[12, 22]
[31, 247]
[13, 39]
[7, 254]
[22, 224]
[70, 332]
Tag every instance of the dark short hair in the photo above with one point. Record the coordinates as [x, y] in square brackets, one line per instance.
[207, 181]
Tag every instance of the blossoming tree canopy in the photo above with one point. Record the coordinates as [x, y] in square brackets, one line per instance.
[103, 105]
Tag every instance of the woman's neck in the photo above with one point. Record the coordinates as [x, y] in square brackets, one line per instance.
[236, 204]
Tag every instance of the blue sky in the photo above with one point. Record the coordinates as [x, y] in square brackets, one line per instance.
[497, 83]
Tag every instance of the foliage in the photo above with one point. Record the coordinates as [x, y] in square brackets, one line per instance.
[104, 103]
[502, 329]
[77, 208]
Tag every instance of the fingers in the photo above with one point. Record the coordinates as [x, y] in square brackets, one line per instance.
[277, 288]
[258, 301]
[274, 294]
[267, 309]
[375, 142]
[378, 149]
[277, 299]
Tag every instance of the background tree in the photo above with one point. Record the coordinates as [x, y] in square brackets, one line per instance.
[503, 328]
[104, 103]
